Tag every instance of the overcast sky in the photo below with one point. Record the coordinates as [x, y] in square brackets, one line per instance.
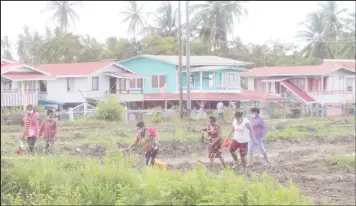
[100, 19]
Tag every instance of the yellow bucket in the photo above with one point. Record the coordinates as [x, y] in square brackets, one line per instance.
[160, 164]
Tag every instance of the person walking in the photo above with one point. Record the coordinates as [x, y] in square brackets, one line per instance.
[241, 127]
[215, 142]
[31, 128]
[220, 108]
[48, 129]
[260, 130]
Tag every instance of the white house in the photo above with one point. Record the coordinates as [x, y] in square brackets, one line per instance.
[76, 82]
[332, 82]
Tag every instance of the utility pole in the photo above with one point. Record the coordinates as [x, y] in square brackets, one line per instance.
[180, 63]
[187, 53]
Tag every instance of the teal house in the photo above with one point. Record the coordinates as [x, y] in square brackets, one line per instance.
[150, 80]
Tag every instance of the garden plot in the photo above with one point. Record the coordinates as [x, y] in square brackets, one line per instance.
[316, 156]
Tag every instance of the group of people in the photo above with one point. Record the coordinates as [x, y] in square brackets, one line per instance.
[32, 130]
[247, 134]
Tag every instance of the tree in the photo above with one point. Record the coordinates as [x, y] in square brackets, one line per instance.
[315, 37]
[157, 45]
[63, 13]
[215, 19]
[135, 15]
[6, 51]
[331, 18]
[165, 20]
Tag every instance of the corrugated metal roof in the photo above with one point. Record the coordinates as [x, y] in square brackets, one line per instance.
[76, 69]
[198, 60]
[27, 76]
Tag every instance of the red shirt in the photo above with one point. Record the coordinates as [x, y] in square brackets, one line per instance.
[148, 140]
[33, 128]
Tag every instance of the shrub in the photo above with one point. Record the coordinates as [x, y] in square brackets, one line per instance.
[109, 110]
[157, 117]
[75, 181]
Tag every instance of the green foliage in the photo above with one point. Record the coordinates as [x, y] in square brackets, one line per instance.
[76, 181]
[343, 160]
[157, 117]
[110, 110]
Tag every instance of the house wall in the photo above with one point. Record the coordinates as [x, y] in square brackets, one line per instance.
[150, 66]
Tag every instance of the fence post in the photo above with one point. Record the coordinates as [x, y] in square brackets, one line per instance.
[70, 113]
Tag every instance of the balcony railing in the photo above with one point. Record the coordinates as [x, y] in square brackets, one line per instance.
[125, 91]
[332, 92]
[14, 98]
[212, 89]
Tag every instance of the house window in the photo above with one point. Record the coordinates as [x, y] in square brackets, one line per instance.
[43, 86]
[211, 80]
[136, 83]
[158, 81]
[95, 83]
[232, 80]
[350, 84]
[191, 80]
[70, 84]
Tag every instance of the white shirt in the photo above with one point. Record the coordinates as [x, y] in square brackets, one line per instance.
[242, 133]
[220, 107]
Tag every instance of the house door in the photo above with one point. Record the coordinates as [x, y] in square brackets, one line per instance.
[113, 85]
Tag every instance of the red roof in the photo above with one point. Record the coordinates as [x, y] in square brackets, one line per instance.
[7, 67]
[326, 68]
[126, 74]
[297, 91]
[244, 95]
[274, 79]
[74, 69]
[26, 76]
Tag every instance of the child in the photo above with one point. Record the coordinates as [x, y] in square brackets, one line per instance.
[31, 127]
[242, 128]
[149, 138]
[49, 130]
[215, 142]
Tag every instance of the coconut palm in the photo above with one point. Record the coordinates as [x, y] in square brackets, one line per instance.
[331, 15]
[64, 14]
[215, 19]
[6, 48]
[136, 15]
[346, 49]
[315, 36]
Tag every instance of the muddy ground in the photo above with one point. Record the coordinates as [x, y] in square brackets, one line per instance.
[302, 161]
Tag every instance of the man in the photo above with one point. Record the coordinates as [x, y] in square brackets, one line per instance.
[242, 128]
[220, 108]
[149, 138]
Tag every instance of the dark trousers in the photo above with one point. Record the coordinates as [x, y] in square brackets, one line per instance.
[151, 154]
[31, 143]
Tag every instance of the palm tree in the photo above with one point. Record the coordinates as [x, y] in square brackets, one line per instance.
[315, 36]
[331, 15]
[215, 19]
[64, 14]
[166, 19]
[6, 48]
[135, 15]
[347, 48]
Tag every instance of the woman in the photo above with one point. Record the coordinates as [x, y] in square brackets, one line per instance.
[242, 128]
[259, 127]
[215, 141]
[31, 132]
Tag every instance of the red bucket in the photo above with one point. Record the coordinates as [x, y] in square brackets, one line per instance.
[227, 143]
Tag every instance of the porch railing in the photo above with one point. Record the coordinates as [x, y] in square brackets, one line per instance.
[125, 91]
[206, 89]
[332, 92]
[14, 97]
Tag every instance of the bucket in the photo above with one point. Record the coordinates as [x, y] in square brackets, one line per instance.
[160, 164]
[227, 143]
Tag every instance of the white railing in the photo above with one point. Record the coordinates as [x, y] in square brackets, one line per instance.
[14, 98]
[212, 89]
[331, 92]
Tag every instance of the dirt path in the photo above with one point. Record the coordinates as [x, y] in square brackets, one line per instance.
[304, 163]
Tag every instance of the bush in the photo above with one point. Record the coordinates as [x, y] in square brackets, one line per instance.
[69, 180]
[157, 117]
[110, 110]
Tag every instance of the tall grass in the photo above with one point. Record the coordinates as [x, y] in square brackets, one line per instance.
[69, 180]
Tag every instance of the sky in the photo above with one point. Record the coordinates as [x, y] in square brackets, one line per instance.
[266, 20]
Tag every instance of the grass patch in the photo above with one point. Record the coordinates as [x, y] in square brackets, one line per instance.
[343, 161]
[69, 180]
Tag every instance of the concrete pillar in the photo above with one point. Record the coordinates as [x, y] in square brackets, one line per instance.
[70, 114]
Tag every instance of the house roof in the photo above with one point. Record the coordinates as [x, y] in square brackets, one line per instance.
[244, 95]
[74, 69]
[20, 76]
[276, 79]
[195, 60]
[326, 68]
[343, 63]
[11, 67]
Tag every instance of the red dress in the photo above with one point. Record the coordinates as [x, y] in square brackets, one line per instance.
[214, 151]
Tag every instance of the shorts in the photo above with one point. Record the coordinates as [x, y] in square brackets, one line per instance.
[221, 115]
[242, 146]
